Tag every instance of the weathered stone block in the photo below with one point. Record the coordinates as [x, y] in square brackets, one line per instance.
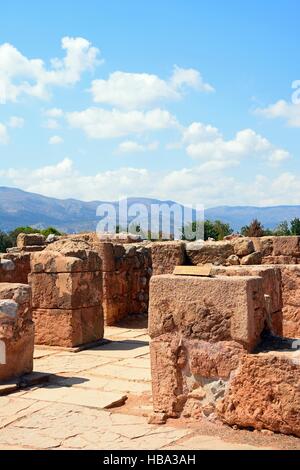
[209, 252]
[243, 246]
[33, 239]
[166, 255]
[50, 261]
[291, 300]
[252, 259]
[210, 309]
[66, 290]
[286, 246]
[14, 267]
[68, 328]
[265, 394]
[16, 330]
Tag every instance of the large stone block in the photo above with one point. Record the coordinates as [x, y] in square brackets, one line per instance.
[51, 261]
[33, 239]
[16, 330]
[265, 394]
[66, 290]
[14, 267]
[210, 309]
[209, 252]
[68, 328]
[286, 246]
[243, 246]
[166, 255]
[271, 280]
[190, 371]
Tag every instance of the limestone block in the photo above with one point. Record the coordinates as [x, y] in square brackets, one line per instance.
[14, 267]
[166, 255]
[291, 300]
[32, 239]
[16, 330]
[210, 309]
[243, 246]
[286, 246]
[68, 328]
[253, 258]
[66, 290]
[209, 252]
[265, 394]
[51, 261]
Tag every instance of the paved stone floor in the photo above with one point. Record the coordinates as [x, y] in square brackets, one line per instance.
[101, 399]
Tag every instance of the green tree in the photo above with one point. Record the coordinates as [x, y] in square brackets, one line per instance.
[282, 229]
[255, 229]
[212, 229]
[49, 231]
[5, 242]
[295, 226]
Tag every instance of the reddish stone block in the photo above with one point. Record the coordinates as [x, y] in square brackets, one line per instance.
[210, 309]
[68, 328]
[265, 394]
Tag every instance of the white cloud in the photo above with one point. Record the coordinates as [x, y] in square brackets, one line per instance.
[16, 122]
[56, 140]
[4, 139]
[188, 185]
[282, 109]
[205, 142]
[54, 112]
[51, 124]
[130, 146]
[139, 90]
[100, 123]
[22, 76]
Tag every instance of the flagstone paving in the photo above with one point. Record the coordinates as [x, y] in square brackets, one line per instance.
[101, 399]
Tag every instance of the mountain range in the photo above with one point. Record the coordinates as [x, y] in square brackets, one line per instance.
[19, 208]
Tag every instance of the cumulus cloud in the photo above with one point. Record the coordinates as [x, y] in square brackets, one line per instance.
[56, 140]
[139, 90]
[54, 112]
[206, 142]
[3, 134]
[186, 185]
[16, 122]
[284, 110]
[130, 146]
[51, 124]
[20, 75]
[100, 123]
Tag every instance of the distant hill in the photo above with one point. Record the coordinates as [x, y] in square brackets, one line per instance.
[19, 208]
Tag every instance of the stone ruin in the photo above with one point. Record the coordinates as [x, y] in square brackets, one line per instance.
[222, 347]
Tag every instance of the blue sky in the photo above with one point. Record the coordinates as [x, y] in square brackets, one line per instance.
[189, 100]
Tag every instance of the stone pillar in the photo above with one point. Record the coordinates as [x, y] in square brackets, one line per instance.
[67, 297]
[16, 331]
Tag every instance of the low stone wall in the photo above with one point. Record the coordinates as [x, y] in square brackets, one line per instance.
[126, 274]
[67, 297]
[16, 331]
[278, 250]
[234, 252]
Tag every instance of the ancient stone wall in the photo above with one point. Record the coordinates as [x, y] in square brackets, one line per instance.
[16, 331]
[278, 250]
[67, 297]
[204, 333]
